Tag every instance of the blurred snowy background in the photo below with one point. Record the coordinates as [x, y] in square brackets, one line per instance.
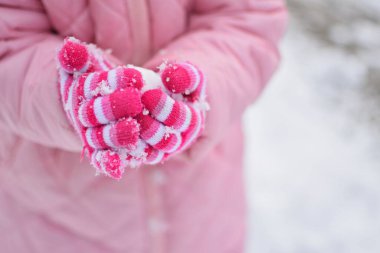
[313, 139]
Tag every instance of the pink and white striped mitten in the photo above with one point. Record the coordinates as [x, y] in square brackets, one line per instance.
[125, 115]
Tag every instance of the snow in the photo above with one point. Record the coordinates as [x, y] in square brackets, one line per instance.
[145, 111]
[152, 80]
[313, 169]
[103, 89]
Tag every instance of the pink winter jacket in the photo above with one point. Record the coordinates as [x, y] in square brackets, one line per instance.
[50, 201]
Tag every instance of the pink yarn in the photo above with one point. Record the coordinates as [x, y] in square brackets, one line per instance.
[108, 108]
[73, 56]
[123, 121]
[183, 78]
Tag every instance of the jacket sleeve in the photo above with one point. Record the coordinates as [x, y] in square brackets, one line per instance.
[29, 104]
[235, 43]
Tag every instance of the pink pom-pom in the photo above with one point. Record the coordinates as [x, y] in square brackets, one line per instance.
[176, 78]
[181, 77]
[73, 56]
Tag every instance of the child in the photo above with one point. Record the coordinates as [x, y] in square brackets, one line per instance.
[194, 202]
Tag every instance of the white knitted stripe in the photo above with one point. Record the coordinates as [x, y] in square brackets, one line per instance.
[197, 77]
[177, 144]
[89, 138]
[98, 111]
[166, 109]
[158, 135]
[100, 59]
[158, 158]
[69, 104]
[107, 136]
[112, 78]
[70, 109]
[139, 150]
[87, 86]
[202, 96]
[82, 115]
[62, 80]
[186, 124]
[196, 131]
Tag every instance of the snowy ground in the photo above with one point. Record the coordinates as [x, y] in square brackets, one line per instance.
[313, 139]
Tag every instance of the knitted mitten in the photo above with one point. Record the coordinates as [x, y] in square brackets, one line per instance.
[127, 116]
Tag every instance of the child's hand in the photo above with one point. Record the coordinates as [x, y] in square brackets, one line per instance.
[123, 115]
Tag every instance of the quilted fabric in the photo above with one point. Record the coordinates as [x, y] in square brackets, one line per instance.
[49, 202]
